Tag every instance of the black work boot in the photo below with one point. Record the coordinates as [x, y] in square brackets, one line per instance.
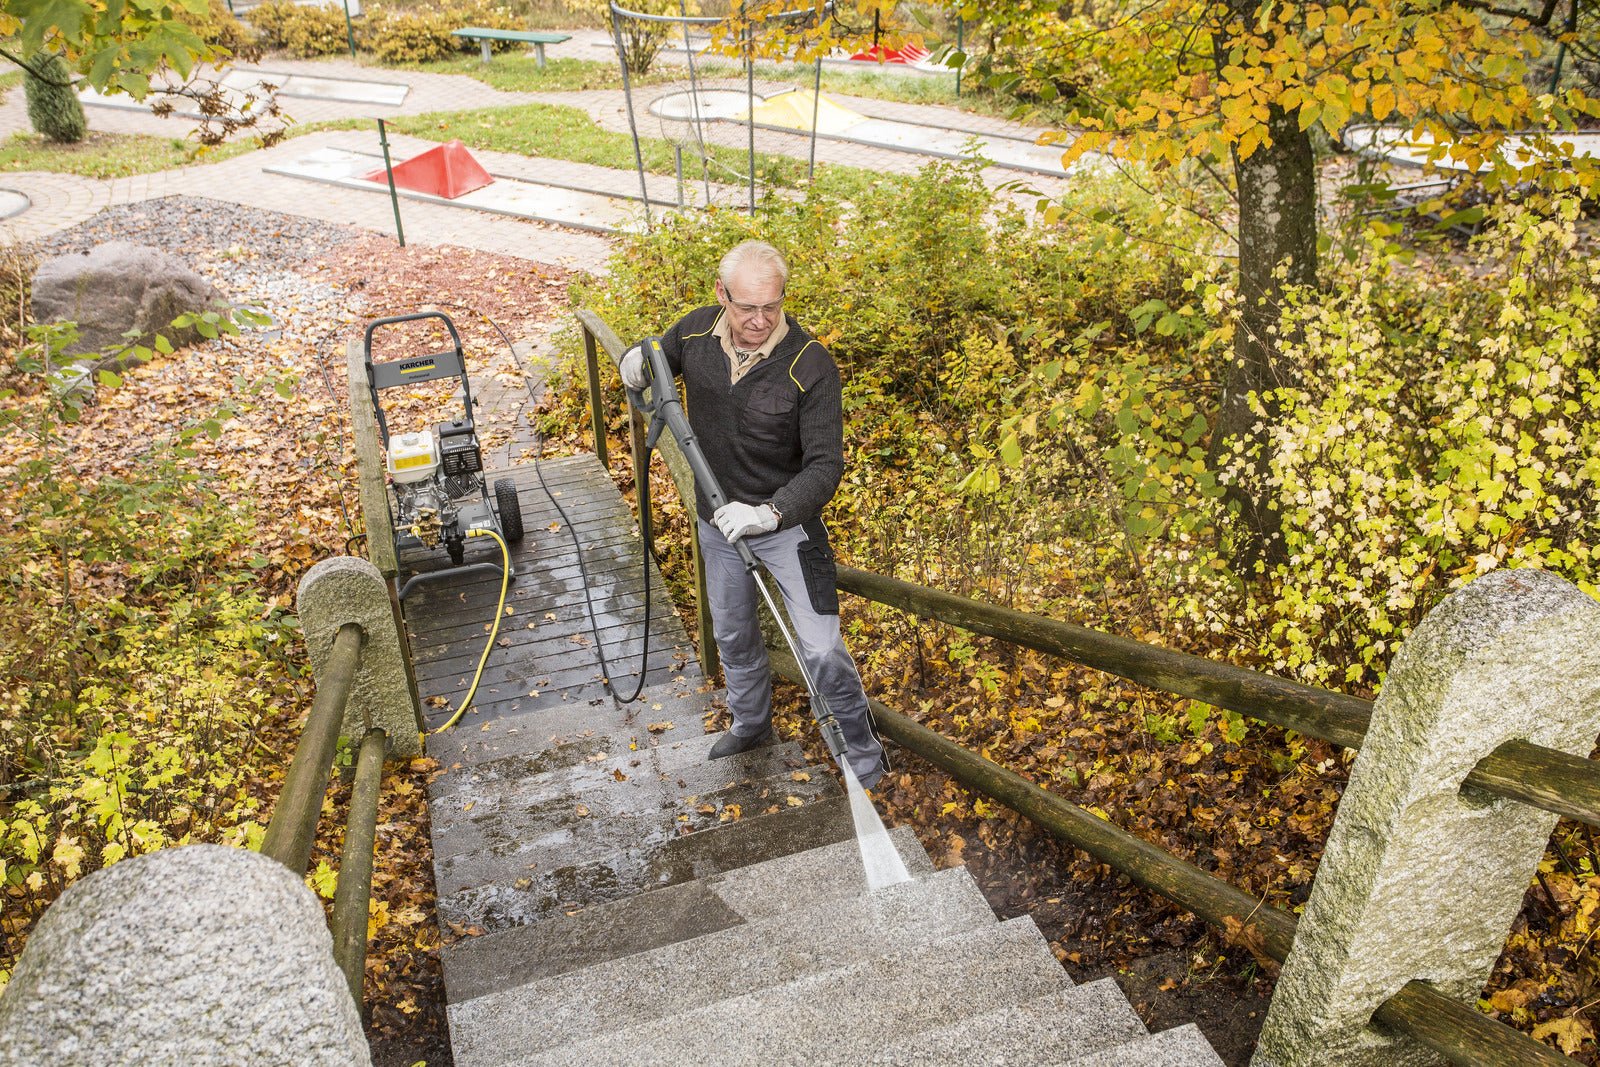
[731, 744]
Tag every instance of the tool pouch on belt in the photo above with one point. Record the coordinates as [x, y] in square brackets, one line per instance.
[817, 564]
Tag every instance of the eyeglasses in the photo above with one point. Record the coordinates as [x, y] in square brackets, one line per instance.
[767, 310]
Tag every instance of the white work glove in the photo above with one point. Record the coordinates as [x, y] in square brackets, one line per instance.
[738, 520]
[634, 375]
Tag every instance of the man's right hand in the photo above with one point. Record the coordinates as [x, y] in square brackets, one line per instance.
[634, 375]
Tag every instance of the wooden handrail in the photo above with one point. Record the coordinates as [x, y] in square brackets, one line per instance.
[596, 331]
[1518, 770]
[350, 899]
[293, 826]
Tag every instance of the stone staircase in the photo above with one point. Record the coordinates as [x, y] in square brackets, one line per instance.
[611, 896]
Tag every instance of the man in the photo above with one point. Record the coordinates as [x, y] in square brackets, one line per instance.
[763, 399]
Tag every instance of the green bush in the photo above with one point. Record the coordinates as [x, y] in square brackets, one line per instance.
[53, 105]
[219, 27]
[1447, 426]
[300, 30]
[421, 36]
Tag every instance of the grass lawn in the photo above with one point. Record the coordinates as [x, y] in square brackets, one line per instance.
[107, 155]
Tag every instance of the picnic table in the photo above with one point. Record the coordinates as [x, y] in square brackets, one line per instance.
[485, 35]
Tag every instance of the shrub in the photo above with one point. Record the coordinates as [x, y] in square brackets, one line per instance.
[53, 105]
[422, 36]
[1446, 427]
[217, 26]
[304, 31]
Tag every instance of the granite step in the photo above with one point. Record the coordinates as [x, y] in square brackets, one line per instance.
[592, 752]
[567, 830]
[534, 725]
[818, 937]
[838, 1016]
[614, 781]
[1043, 1030]
[645, 866]
[564, 943]
[1182, 1046]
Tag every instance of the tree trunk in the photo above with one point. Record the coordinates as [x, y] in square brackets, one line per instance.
[1277, 249]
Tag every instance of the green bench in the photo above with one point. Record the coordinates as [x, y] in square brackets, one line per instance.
[483, 35]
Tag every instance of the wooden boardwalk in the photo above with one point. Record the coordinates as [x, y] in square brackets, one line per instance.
[545, 651]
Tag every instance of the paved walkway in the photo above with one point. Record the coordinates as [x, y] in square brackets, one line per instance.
[63, 200]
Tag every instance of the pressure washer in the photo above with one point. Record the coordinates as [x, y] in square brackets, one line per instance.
[438, 494]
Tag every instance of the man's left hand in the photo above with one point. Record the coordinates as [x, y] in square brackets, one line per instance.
[737, 520]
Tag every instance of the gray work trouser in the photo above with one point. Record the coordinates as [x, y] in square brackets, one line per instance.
[734, 620]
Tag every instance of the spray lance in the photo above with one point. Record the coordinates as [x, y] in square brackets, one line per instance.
[666, 410]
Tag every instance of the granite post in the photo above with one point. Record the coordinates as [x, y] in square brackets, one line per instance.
[1420, 880]
[200, 955]
[345, 589]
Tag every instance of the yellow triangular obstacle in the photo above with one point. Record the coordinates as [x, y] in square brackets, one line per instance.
[792, 110]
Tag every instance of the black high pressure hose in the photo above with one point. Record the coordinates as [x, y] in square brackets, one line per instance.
[647, 549]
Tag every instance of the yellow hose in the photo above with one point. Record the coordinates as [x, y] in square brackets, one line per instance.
[499, 613]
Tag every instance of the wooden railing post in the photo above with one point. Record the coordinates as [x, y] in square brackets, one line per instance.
[349, 921]
[1420, 878]
[597, 417]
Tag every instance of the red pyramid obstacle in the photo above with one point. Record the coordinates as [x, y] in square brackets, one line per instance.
[447, 170]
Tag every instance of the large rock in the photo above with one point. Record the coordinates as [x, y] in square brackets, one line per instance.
[117, 287]
[199, 955]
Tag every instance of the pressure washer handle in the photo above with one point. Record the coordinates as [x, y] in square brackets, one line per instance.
[667, 409]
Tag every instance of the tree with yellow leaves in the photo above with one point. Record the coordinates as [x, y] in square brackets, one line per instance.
[1240, 86]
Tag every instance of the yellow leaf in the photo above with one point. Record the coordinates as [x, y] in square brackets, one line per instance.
[1570, 1033]
[377, 917]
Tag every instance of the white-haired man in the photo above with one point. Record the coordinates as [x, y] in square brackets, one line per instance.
[764, 402]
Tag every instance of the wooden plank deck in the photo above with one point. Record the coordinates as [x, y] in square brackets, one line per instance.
[545, 651]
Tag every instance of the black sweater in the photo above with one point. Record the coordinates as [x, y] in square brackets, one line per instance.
[777, 436]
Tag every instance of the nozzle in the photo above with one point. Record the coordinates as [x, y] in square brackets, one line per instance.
[833, 736]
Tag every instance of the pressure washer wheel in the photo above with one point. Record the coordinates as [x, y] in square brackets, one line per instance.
[510, 509]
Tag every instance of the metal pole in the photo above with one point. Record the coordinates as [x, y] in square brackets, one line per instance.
[388, 168]
[350, 36]
[961, 46]
[816, 102]
[633, 125]
[750, 98]
[677, 166]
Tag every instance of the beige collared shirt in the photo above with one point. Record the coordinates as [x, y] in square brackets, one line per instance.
[741, 363]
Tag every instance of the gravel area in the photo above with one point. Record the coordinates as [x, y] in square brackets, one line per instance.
[197, 228]
[255, 257]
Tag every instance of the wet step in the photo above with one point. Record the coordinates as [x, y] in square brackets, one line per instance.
[540, 894]
[592, 759]
[533, 727]
[568, 832]
[608, 780]
[1182, 1046]
[1064, 1023]
[823, 936]
[837, 1016]
[564, 943]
